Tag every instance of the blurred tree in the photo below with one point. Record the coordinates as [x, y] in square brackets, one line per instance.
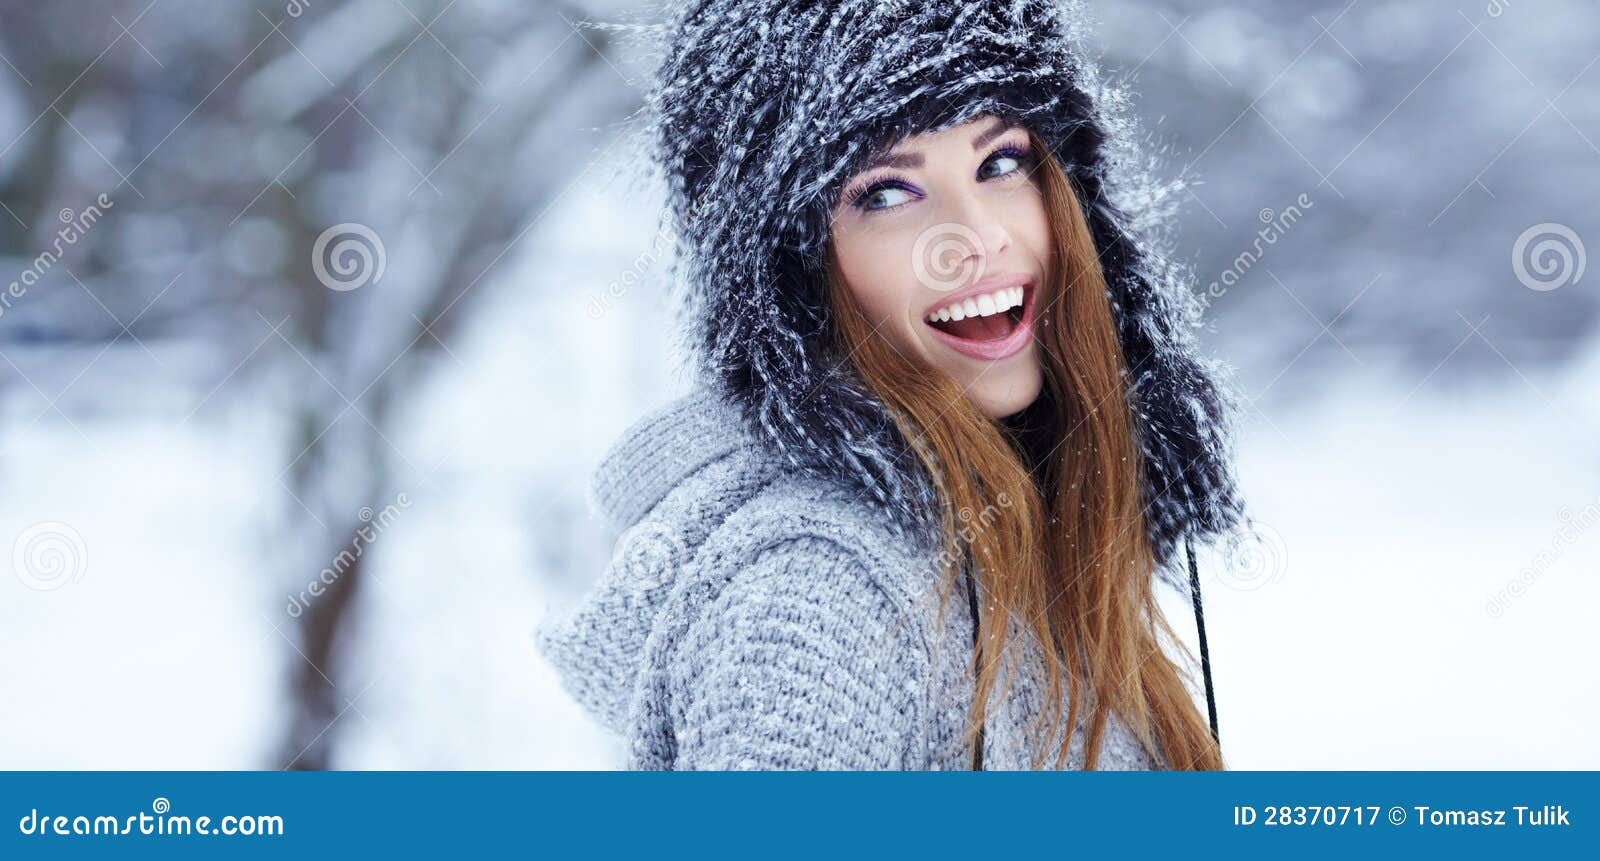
[335, 179]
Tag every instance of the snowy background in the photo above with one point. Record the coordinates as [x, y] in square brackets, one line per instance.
[193, 424]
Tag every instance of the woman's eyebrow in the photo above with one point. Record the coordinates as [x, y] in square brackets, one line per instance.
[915, 159]
[999, 128]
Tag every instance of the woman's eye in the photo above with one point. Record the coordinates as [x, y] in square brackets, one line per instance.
[1003, 164]
[892, 192]
[884, 198]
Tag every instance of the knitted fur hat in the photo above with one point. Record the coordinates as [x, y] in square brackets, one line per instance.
[761, 109]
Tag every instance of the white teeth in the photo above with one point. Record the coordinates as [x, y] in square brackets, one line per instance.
[997, 302]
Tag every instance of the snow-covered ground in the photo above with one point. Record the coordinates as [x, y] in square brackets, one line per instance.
[1388, 625]
[138, 630]
[1367, 636]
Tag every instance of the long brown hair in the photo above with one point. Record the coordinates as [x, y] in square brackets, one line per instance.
[1045, 506]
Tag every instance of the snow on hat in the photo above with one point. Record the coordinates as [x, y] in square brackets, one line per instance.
[760, 110]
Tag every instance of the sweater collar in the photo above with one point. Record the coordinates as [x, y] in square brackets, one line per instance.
[662, 448]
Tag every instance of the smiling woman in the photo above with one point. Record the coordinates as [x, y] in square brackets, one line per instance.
[932, 352]
[945, 256]
[1007, 410]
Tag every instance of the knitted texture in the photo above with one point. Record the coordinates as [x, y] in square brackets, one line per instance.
[760, 110]
[757, 617]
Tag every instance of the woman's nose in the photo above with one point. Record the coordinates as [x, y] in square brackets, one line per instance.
[984, 223]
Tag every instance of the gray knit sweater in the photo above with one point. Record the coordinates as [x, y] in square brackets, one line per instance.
[756, 618]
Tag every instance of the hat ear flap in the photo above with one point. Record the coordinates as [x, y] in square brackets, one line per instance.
[1181, 414]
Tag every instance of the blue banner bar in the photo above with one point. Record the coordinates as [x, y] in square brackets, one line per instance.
[1246, 814]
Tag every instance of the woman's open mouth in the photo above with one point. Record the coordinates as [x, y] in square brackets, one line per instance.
[991, 324]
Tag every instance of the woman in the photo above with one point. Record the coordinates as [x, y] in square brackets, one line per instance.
[936, 352]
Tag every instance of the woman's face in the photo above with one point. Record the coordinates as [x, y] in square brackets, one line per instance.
[945, 243]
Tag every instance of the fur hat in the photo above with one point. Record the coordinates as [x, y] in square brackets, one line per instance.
[760, 110]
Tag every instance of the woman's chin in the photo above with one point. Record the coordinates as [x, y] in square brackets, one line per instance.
[998, 396]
